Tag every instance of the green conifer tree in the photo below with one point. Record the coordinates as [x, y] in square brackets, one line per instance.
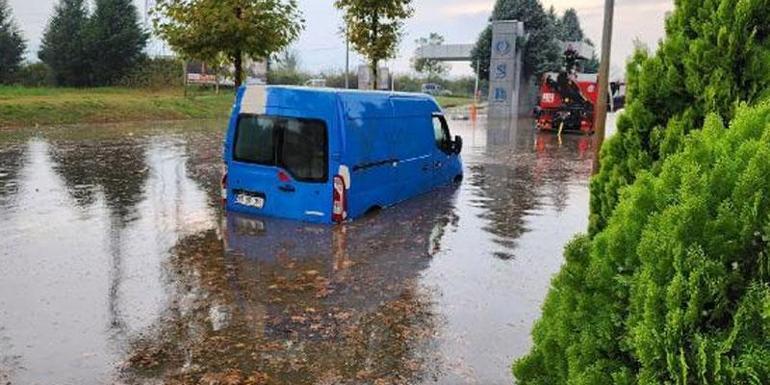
[115, 40]
[63, 47]
[541, 52]
[715, 55]
[12, 45]
[569, 26]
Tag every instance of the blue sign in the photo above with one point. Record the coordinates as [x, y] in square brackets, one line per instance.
[503, 47]
[501, 71]
[501, 95]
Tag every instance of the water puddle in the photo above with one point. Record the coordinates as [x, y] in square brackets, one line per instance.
[117, 265]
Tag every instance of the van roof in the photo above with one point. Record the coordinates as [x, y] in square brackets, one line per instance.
[355, 103]
[343, 91]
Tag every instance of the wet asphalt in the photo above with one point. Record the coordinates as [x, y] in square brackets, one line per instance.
[118, 265]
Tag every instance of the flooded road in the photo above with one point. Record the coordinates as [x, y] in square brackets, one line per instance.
[117, 265]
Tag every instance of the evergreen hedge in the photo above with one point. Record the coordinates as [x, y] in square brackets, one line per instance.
[716, 53]
[674, 290]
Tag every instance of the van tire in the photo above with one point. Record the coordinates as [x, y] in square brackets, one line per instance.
[458, 179]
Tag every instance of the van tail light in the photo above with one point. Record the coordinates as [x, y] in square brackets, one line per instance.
[224, 187]
[339, 200]
[283, 176]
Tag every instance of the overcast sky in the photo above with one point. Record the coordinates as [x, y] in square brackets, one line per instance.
[460, 21]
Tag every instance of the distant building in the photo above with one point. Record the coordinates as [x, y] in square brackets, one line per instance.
[198, 72]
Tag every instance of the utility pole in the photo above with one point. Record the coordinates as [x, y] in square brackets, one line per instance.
[476, 86]
[347, 57]
[604, 74]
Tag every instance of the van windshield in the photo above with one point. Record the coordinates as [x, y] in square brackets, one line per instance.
[297, 145]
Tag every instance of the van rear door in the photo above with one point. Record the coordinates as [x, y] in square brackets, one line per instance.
[280, 167]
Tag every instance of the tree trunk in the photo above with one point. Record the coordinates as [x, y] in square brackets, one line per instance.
[374, 74]
[238, 64]
[238, 59]
[375, 37]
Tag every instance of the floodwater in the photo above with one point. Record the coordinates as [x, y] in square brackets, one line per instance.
[117, 265]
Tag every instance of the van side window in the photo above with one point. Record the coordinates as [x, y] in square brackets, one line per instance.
[441, 133]
[303, 151]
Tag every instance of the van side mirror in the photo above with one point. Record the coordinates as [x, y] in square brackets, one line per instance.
[458, 144]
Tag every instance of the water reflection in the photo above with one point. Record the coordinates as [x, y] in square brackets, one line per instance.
[115, 168]
[12, 159]
[520, 168]
[289, 303]
[118, 265]
[203, 149]
[80, 254]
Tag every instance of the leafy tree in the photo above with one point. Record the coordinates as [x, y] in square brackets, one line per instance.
[675, 289]
[12, 45]
[715, 54]
[431, 68]
[63, 47]
[541, 50]
[375, 27]
[210, 30]
[481, 54]
[569, 26]
[115, 40]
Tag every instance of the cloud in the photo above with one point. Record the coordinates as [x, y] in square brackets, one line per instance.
[597, 6]
[466, 8]
[460, 21]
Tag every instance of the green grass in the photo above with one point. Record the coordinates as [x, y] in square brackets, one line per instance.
[21, 106]
[453, 101]
[29, 107]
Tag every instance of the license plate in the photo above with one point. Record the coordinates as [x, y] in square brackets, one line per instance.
[250, 200]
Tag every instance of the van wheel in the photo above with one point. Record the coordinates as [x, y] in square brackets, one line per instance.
[458, 179]
[372, 211]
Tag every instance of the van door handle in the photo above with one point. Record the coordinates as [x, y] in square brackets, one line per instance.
[287, 188]
[437, 164]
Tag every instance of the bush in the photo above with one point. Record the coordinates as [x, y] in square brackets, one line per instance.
[287, 77]
[154, 73]
[336, 79]
[463, 86]
[675, 289]
[407, 83]
[35, 75]
[715, 54]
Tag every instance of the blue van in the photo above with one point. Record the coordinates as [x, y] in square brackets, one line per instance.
[327, 155]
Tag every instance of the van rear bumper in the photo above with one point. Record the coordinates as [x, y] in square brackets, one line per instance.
[310, 216]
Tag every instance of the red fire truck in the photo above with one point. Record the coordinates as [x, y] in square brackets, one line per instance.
[567, 98]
